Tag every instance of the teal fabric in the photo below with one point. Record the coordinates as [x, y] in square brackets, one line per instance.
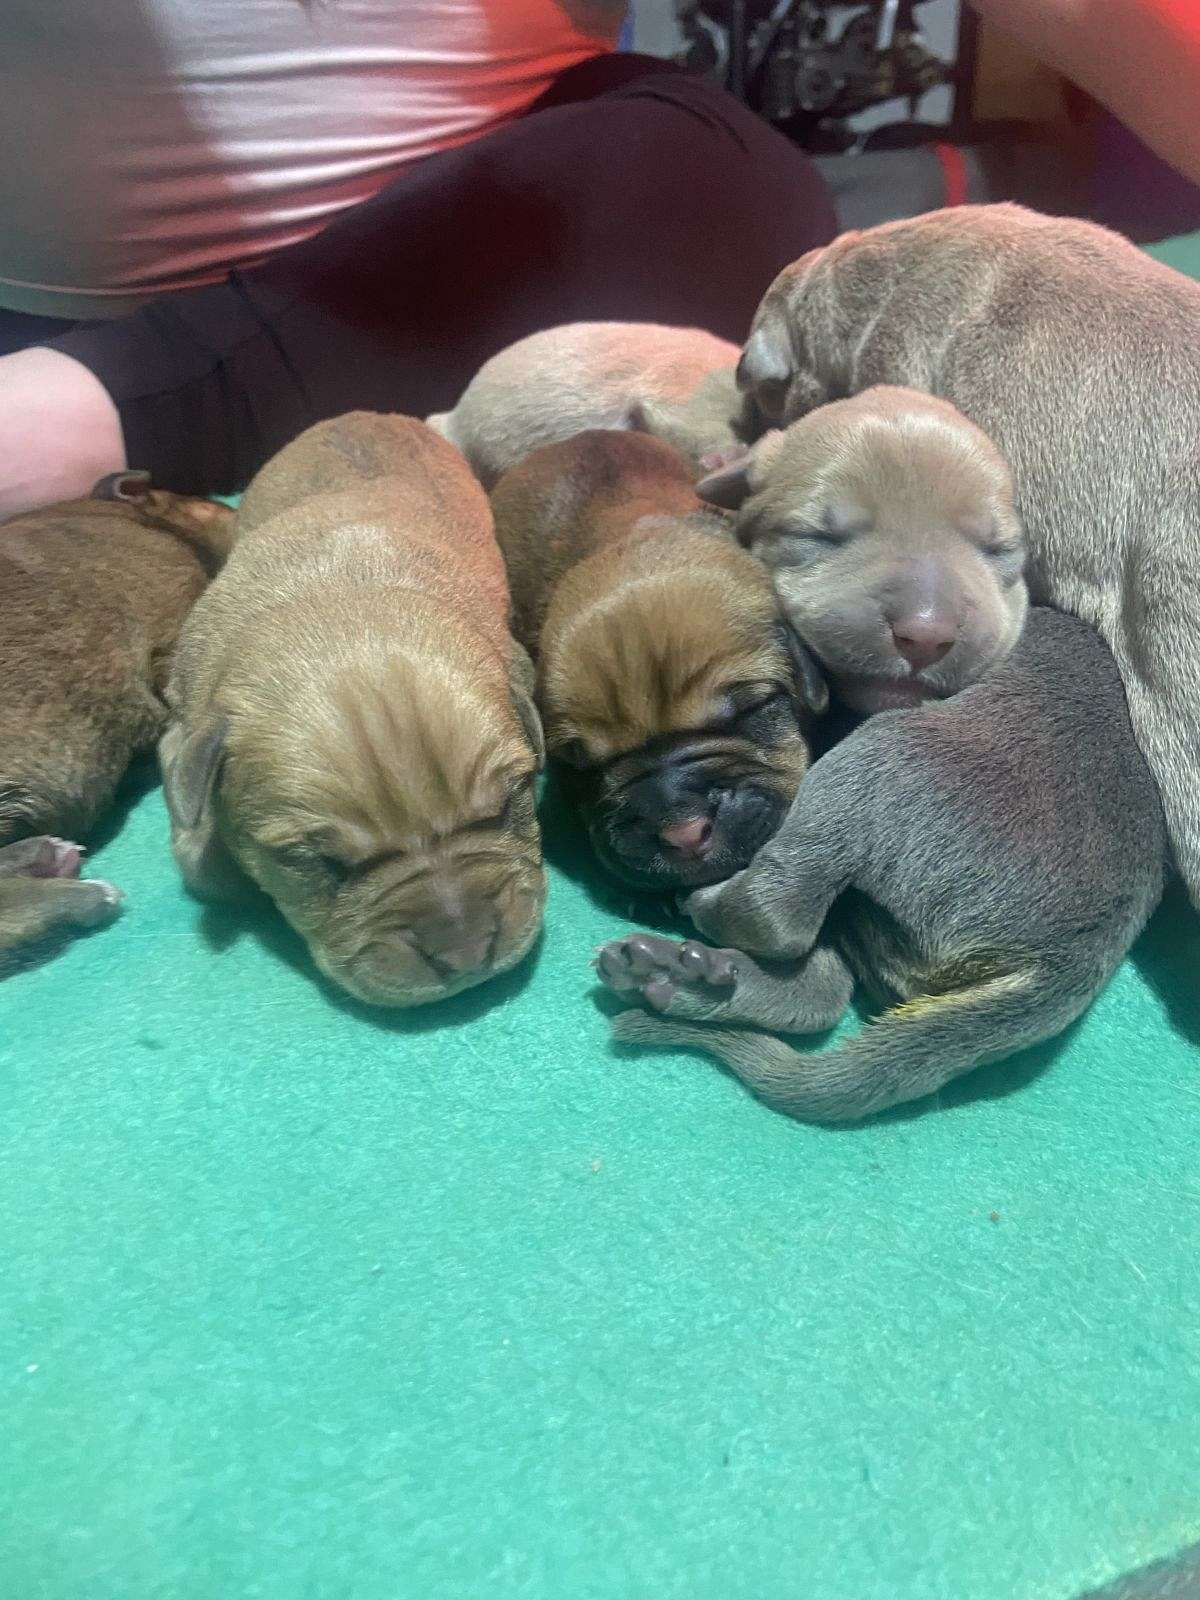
[304, 1302]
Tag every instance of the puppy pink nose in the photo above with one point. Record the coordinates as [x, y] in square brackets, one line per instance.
[690, 838]
[923, 640]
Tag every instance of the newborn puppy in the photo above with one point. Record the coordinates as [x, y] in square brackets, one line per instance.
[983, 864]
[888, 524]
[94, 594]
[675, 383]
[669, 685]
[1079, 356]
[353, 727]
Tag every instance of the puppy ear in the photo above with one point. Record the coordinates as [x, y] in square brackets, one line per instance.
[131, 486]
[191, 768]
[737, 471]
[772, 368]
[522, 677]
[811, 688]
[729, 484]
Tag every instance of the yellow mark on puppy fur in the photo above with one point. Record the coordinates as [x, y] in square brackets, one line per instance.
[966, 990]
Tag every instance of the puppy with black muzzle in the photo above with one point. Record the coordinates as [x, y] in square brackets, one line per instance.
[982, 864]
[678, 384]
[94, 594]
[1079, 356]
[888, 524]
[353, 728]
[671, 689]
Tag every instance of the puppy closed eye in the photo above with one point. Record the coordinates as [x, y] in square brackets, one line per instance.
[743, 700]
[518, 802]
[311, 862]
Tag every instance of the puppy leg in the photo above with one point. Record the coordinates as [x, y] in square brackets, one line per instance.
[775, 907]
[33, 908]
[699, 984]
[41, 857]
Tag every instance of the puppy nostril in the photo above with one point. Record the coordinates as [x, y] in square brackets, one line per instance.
[692, 837]
[922, 644]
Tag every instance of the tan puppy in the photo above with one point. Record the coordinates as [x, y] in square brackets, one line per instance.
[94, 594]
[668, 682]
[675, 383]
[1080, 357]
[353, 724]
[889, 525]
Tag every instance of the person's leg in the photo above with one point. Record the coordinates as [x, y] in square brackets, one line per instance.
[659, 199]
[59, 428]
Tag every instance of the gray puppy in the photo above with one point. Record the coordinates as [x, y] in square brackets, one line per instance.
[982, 864]
[888, 524]
[1080, 357]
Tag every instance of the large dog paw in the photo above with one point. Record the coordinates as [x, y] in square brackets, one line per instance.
[679, 979]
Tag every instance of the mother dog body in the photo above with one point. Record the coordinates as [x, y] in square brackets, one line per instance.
[1080, 357]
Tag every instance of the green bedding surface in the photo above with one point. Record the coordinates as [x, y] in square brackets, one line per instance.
[299, 1301]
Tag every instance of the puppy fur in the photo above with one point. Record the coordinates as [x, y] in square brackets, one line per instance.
[676, 383]
[1079, 356]
[95, 592]
[888, 523]
[983, 863]
[669, 685]
[353, 727]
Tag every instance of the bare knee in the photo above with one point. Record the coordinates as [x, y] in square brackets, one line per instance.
[59, 430]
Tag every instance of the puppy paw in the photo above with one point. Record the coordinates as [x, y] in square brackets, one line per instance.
[41, 857]
[722, 456]
[94, 903]
[61, 859]
[680, 979]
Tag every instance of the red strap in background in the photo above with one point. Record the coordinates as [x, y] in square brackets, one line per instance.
[954, 173]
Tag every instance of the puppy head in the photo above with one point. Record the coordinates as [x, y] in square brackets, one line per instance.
[889, 527]
[678, 702]
[387, 810]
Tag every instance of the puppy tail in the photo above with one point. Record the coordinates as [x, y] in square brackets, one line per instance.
[911, 1051]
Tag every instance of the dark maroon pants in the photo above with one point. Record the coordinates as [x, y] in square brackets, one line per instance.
[631, 190]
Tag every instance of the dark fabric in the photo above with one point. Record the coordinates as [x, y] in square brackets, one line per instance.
[631, 190]
[18, 330]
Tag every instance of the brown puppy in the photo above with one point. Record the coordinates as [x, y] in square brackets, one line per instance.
[889, 526]
[668, 682]
[353, 727]
[1079, 356]
[94, 594]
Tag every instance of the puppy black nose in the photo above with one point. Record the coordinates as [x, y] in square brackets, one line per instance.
[692, 837]
[923, 640]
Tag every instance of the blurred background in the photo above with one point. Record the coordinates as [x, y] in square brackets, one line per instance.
[913, 104]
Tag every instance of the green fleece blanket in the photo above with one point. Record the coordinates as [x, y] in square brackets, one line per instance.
[304, 1302]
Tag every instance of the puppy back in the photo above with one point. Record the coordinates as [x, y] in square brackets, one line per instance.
[568, 500]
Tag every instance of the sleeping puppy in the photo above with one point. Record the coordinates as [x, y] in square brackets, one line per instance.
[671, 689]
[1079, 356]
[888, 524]
[94, 594]
[675, 383]
[983, 864]
[352, 723]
